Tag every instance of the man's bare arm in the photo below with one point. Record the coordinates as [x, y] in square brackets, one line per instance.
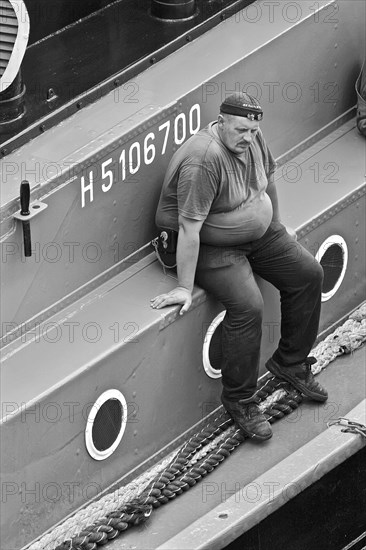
[187, 255]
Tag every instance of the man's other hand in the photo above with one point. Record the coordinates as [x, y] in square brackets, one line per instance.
[178, 295]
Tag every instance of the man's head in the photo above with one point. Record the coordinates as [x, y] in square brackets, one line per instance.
[238, 121]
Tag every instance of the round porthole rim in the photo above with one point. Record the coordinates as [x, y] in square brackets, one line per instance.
[95, 453]
[329, 241]
[210, 371]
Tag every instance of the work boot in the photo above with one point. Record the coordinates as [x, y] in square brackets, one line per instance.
[301, 377]
[248, 417]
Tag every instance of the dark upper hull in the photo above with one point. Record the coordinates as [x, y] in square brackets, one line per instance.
[84, 51]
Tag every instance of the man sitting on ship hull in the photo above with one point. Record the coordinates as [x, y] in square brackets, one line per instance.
[219, 196]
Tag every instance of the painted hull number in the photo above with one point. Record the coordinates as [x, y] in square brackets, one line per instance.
[140, 153]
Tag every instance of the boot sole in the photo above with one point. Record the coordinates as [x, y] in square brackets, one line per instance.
[298, 385]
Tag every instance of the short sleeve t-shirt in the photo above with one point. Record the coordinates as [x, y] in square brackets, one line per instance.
[205, 181]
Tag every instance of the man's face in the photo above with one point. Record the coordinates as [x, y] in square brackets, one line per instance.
[237, 132]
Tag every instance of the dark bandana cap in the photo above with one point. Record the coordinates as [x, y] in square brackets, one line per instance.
[242, 104]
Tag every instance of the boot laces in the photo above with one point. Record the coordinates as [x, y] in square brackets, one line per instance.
[251, 408]
[307, 364]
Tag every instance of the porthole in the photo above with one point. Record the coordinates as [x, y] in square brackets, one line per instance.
[106, 424]
[333, 257]
[212, 348]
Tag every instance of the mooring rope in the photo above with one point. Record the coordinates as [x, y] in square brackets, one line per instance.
[107, 518]
[348, 426]
[95, 511]
[345, 339]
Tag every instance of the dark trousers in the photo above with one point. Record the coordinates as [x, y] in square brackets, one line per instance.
[227, 273]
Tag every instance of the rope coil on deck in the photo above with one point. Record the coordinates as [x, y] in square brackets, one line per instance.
[201, 454]
[345, 339]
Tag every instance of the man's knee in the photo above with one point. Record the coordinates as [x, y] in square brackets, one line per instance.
[243, 322]
[308, 268]
[319, 276]
[249, 309]
[314, 273]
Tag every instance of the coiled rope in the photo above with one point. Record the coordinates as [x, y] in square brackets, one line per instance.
[201, 454]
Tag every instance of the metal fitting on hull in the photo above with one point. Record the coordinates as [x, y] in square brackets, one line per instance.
[12, 106]
[173, 9]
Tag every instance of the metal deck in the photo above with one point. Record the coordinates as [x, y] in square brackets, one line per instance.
[321, 175]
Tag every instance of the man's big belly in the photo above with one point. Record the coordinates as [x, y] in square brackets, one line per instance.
[244, 224]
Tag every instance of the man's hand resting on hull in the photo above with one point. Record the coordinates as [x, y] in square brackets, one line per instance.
[178, 295]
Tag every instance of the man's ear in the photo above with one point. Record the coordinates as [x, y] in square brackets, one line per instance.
[220, 120]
